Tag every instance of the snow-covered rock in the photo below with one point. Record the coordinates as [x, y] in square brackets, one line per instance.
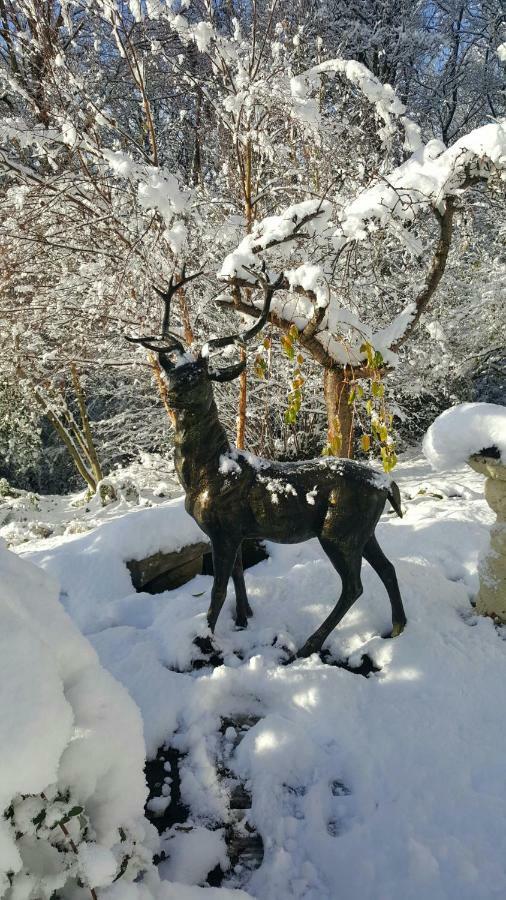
[463, 430]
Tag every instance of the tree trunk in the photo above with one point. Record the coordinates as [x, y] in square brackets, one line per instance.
[243, 403]
[162, 387]
[86, 435]
[339, 413]
[249, 213]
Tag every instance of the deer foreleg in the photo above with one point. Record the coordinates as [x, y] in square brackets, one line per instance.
[243, 609]
[224, 555]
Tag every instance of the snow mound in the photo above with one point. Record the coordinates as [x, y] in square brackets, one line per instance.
[463, 430]
[71, 748]
[93, 565]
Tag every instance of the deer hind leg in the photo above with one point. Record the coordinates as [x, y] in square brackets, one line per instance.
[243, 609]
[385, 569]
[347, 561]
[224, 555]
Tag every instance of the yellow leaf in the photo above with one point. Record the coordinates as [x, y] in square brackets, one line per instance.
[365, 442]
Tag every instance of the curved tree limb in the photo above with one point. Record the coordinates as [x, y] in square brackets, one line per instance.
[436, 270]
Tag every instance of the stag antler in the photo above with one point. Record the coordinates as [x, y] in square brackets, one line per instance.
[269, 288]
[166, 296]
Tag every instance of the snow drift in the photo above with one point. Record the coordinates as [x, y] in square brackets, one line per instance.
[72, 741]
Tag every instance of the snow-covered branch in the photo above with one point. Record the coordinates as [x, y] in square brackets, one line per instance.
[430, 180]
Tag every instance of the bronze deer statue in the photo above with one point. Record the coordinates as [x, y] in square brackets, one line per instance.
[233, 495]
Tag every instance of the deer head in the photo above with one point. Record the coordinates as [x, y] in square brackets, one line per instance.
[189, 371]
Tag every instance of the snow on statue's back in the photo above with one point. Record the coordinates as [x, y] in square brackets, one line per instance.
[464, 430]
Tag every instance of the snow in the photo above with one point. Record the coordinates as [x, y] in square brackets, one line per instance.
[271, 231]
[276, 486]
[97, 865]
[157, 189]
[385, 338]
[203, 34]
[228, 465]
[382, 96]
[431, 174]
[310, 278]
[193, 854]
[183, 892]
[160, 190]
[72, 727]
[26, 516]
[387, 786]
[97, 560]
[463, 430]
[169, 891]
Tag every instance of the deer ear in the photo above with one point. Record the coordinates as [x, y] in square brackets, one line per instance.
[229, 373]
[165, 362]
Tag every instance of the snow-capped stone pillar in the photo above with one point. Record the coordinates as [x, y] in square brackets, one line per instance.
[491, 600]
[460, 435]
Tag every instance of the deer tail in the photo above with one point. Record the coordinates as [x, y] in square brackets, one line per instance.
[394, 495]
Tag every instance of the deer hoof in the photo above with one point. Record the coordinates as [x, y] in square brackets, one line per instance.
[398, 628]
[205, 645]
[241, 623]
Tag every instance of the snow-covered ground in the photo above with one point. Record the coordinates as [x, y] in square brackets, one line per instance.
[26, 516]
[386, 787]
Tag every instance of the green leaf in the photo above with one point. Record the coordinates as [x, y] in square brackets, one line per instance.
[75, 811]
[122, 868]
[38, 820]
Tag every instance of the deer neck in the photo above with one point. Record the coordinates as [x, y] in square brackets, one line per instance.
[199, 442]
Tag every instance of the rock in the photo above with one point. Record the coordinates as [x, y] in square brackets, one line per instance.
[166, 571]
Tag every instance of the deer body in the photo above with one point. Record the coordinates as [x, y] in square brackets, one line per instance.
[233, 495]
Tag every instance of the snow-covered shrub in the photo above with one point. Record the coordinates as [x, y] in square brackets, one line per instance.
[106, 492]
[71, 753]
[5, 488]
[19, 436]
[463, 430]
[116, 488]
